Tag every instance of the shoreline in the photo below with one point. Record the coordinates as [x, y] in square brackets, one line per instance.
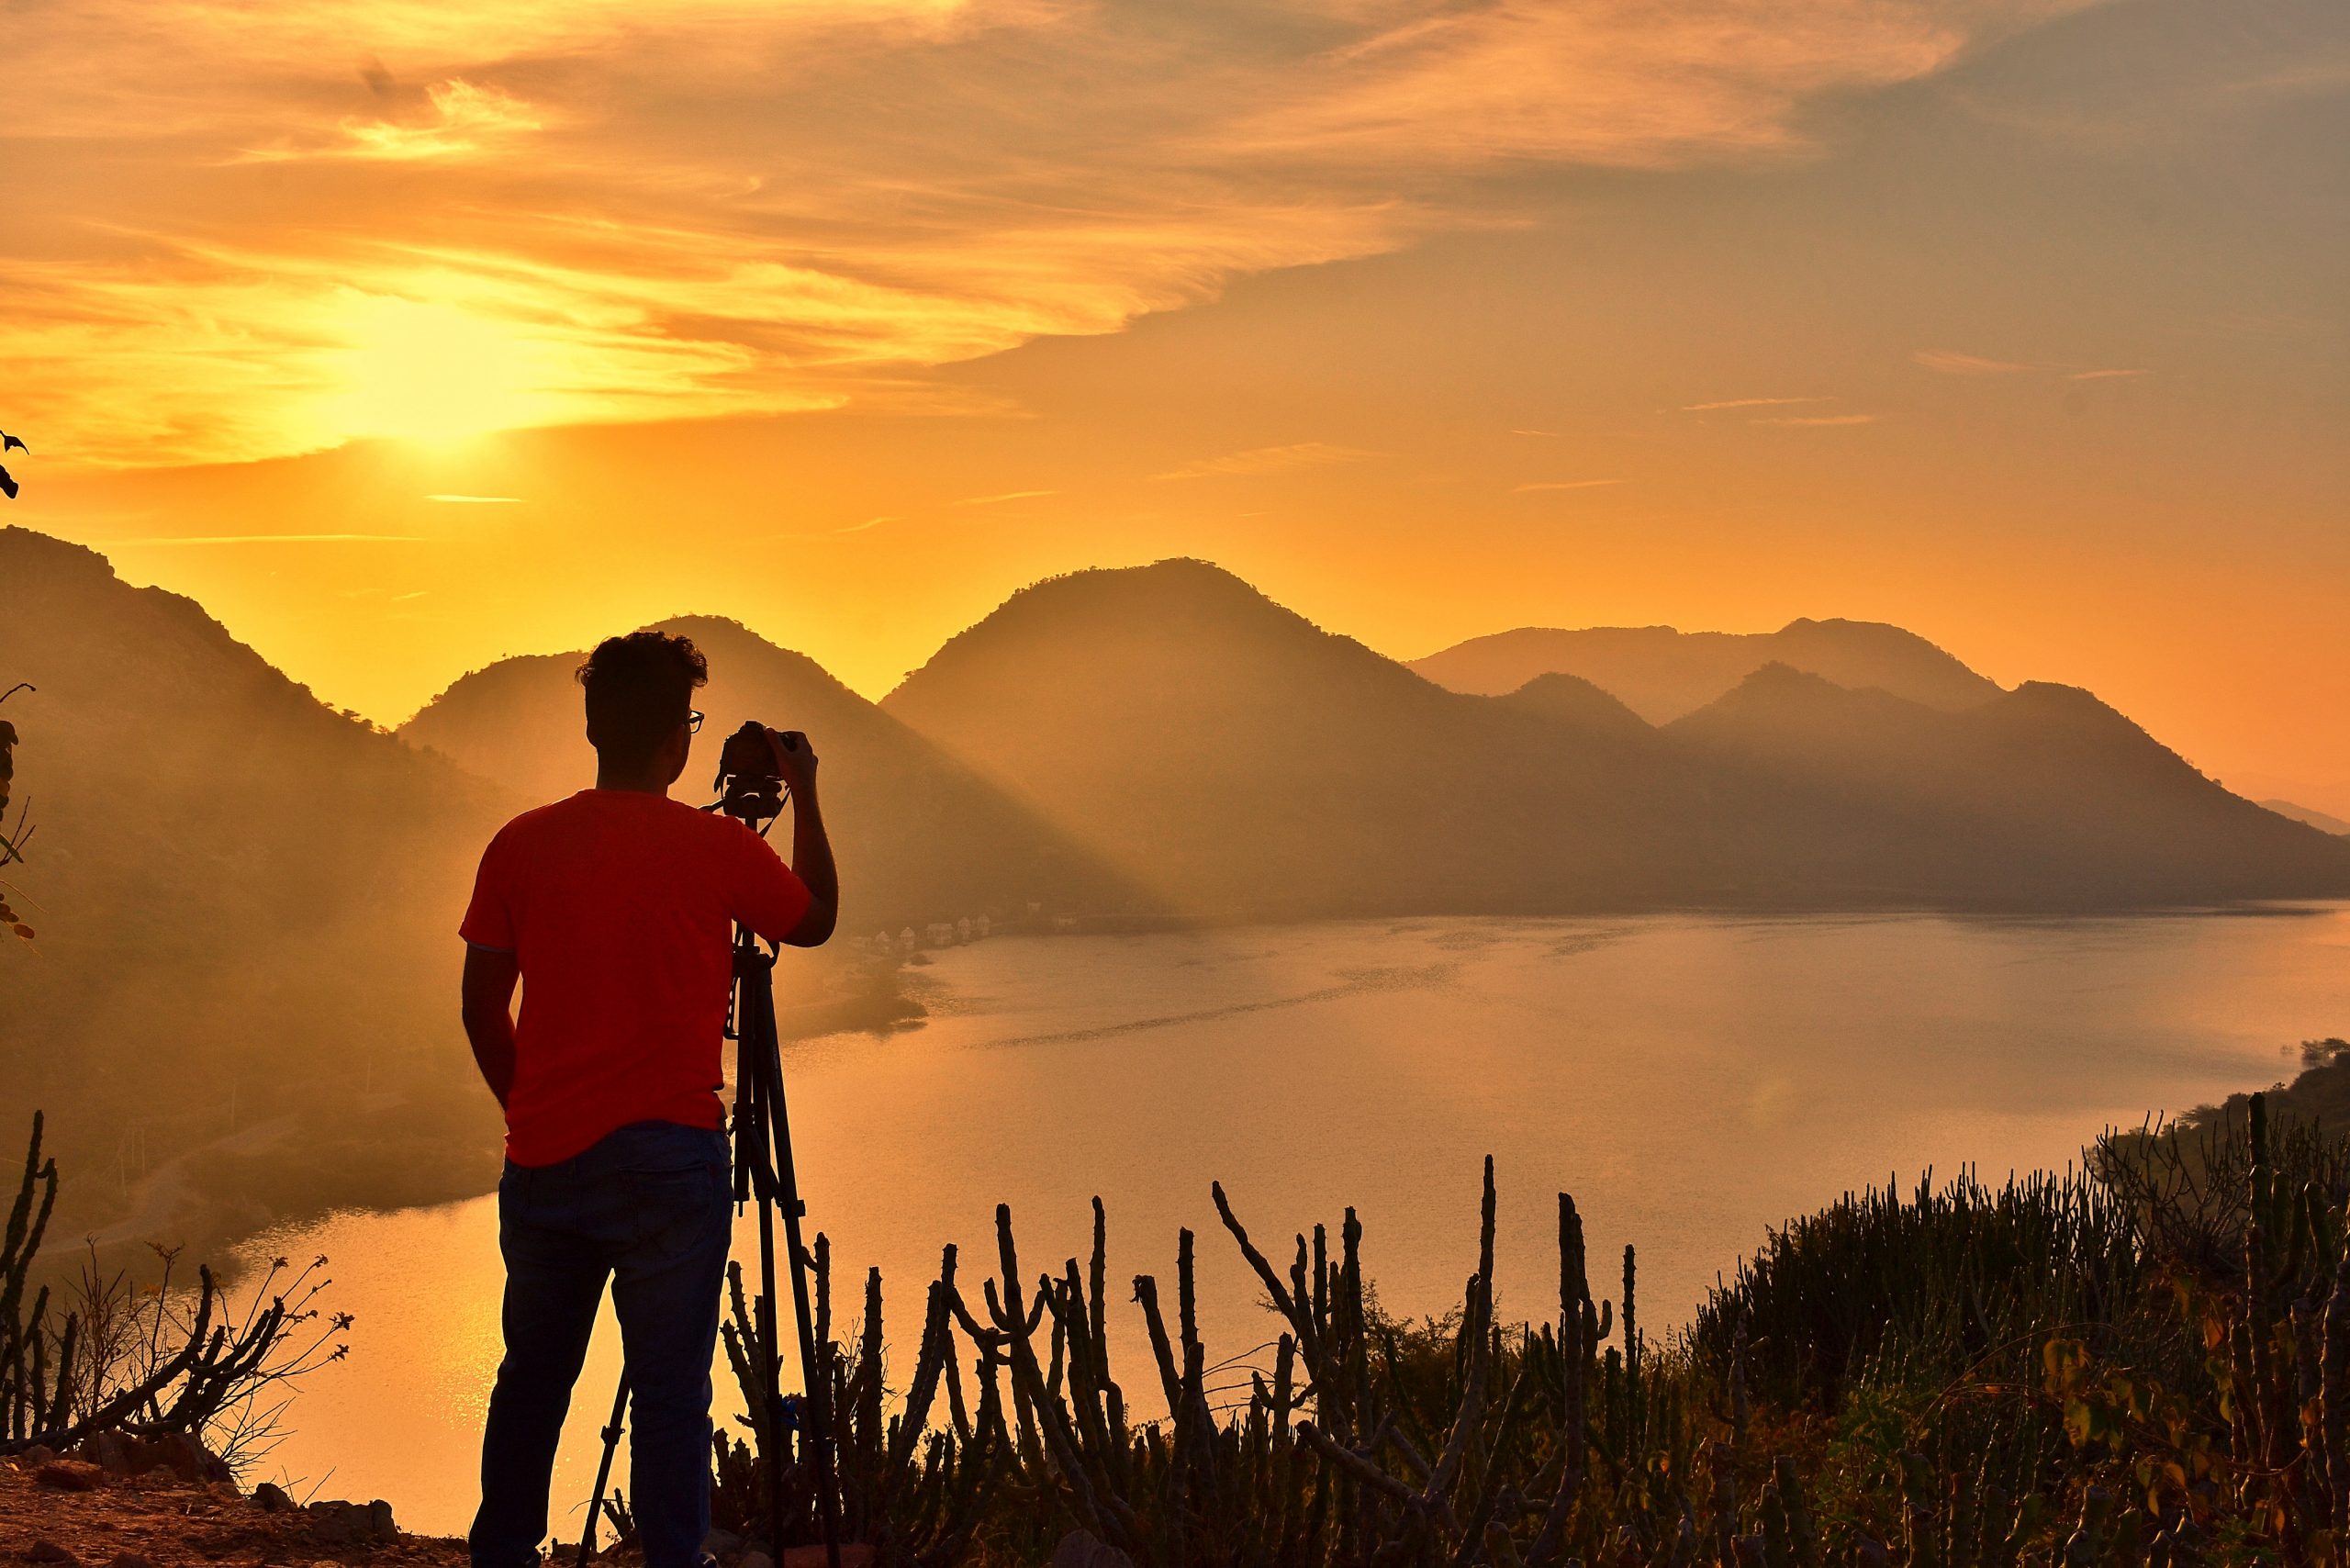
[392, 1150]
[381, 1152]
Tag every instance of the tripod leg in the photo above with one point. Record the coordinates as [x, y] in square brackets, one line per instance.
[820, 1400]
[756, 1068]
[757, 1031]
[604, 1471]
[772, 1371]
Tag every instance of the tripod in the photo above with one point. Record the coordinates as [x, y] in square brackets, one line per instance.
[764, 1173]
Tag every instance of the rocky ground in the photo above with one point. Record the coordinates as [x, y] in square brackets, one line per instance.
[161, 1505]
[69, 1511]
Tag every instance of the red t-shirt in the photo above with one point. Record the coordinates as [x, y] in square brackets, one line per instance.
[619, 907]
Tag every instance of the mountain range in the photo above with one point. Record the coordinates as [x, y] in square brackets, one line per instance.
[1237, 757]
[1661, 674]
[246, 900]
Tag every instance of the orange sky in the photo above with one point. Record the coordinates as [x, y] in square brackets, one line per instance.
[2021, 324]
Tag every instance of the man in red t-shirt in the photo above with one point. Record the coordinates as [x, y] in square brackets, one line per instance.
[615, 910]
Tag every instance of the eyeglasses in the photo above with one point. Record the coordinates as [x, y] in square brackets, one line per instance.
[693, 723]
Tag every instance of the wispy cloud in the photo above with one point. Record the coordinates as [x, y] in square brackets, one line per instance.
[1562, 485]
[1267, 460]
[1817, 419]
[269, 539]
[464, 119]
[455, 118]
[870, 524]
[2307, 78]
[1610, 83]
[1748, 403]
[1950, 362]
[1007, 496]
[477, 500]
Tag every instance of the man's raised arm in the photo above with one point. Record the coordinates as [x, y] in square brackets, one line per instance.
[811, 849]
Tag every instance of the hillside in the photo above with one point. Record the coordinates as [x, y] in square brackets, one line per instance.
[919, 836]
[1235, 757]
[2041, 795]
[1662, 674]
[245, 905]
[2316, 819]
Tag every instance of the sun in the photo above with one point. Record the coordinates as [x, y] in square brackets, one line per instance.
[430, 372]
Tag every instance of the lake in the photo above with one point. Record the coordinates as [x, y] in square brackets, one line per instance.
[1692, 1081]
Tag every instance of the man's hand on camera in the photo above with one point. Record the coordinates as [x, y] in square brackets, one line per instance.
[795, 759]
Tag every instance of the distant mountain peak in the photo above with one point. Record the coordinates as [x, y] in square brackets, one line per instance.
[1170, 618]
[715, 630]
[1179, 580]
[731, 646]
[1773, 686]
[728, 642]
[2320, 821]
[1662, 673]
[1779, 674]
[1780, 698]
[1576, 700]
[2074, 705]
[711, 628]
[1846, 623]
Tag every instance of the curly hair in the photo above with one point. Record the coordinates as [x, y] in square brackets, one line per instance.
[640, 688]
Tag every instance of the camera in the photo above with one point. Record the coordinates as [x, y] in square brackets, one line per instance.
[748, 785]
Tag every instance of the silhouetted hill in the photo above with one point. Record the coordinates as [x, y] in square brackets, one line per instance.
[919, 836]
[2316, 819]
[1237, 757]
[1662, 674]
[245, 901]
[1575, 701]
[2043, 794]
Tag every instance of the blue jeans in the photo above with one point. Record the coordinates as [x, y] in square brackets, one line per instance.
[649, 1206]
